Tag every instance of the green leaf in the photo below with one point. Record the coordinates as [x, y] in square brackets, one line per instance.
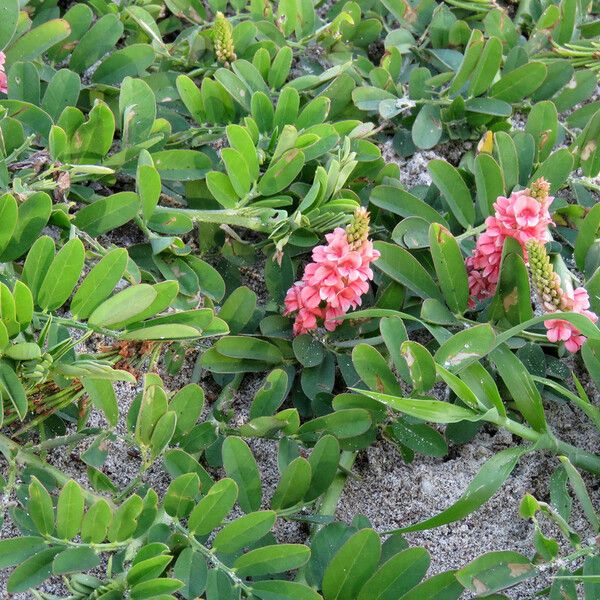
[96, 522]
[434, 411]
[402, 266]
[495, 571]
[62, 276]
[187, 404]
[123, 306]
[420, 365]
[237, 171]
[587, 147]
[419, 437]
[9, 17]
[324, 460]
[157, 589]
[401, 202]
[181, 164]
[271, 394]
[427, 128]
[294, 483]
[14, 551]
[555, 169]
[489, 181]
[308, 350]
[8, 218]
[69, 511]
[99, 283]
[471, 57]
[272, 559]
[282, 172]
[542, 124]
[75, 560]
[38, 40]
[96, 42]
[131, 61]
[396, 576]
[342, 424]
[152, 407]
[191, 97]
[32, 572]
[62, 91]
[218, 502]
[249, 348]
[352, 565]
[519, 83]
[162, 433]
[487, 67]
[137, 111]
[191, 569]
[276, 589]
[240, 140]
[442, 586]
[107, 213]
[145, 570]
[521, 385]
[373, 369]
[40, 507]
[11, 387]
[244, 531]
[181, 495]
[33, 215]
[450, 267]
[512, 300]
[240, 465]
[103, 397]
[581, 492]
[394, 334]
[454, 190]
[466, 346]
[124, 522]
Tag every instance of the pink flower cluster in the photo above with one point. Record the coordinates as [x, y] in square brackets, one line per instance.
[560, 330]
[3, 78]
[333, 283]
[522, 216]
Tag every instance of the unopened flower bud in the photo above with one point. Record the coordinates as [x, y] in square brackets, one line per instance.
[223, 39]
[545, 280]
[357, 231]
[540, 189]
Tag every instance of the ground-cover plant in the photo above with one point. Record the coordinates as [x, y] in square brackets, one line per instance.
[203, 209]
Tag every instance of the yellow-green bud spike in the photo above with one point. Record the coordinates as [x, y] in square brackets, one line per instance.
[540, 189]
[357, 230]
[223, 39]
[545, 280]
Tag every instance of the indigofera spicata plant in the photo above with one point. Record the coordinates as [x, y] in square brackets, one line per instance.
[229, 272]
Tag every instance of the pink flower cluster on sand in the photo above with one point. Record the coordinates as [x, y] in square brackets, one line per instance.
[560, 330]
[336, 279]
[525, 217]
[522, 216]
[3, 78]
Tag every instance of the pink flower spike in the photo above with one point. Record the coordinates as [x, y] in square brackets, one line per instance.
[336, 279]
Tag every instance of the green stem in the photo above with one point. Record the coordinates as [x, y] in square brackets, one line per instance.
[224, 217]
[210, 556]
[63, 440]
[547, 441]
[76, 324]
